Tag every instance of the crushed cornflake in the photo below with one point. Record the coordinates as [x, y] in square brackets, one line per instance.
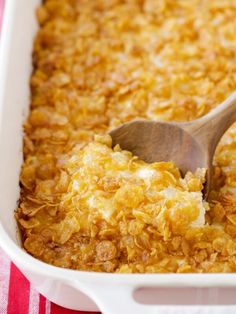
[85, 205]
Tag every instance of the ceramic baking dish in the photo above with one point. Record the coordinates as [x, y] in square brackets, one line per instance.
[111, 293]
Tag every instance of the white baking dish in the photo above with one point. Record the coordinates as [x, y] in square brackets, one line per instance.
[111, 293]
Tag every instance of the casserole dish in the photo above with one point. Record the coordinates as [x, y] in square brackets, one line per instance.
[111, 293]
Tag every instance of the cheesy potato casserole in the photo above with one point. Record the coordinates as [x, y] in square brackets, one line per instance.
[97, 64]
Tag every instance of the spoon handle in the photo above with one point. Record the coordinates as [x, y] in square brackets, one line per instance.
[209, 129]
[223, 115]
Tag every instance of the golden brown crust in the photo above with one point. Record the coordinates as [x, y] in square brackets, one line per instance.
[98, 64]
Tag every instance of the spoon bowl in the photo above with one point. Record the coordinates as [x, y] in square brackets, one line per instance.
[160, 141]
[190, 145]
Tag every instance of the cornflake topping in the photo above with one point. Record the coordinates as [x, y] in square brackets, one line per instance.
[85, 205]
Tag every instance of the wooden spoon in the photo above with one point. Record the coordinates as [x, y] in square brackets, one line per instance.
[190, 145]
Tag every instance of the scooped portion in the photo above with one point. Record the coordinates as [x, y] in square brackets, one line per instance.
[115, 187]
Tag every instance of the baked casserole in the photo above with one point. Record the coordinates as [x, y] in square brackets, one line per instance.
[97, 64]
